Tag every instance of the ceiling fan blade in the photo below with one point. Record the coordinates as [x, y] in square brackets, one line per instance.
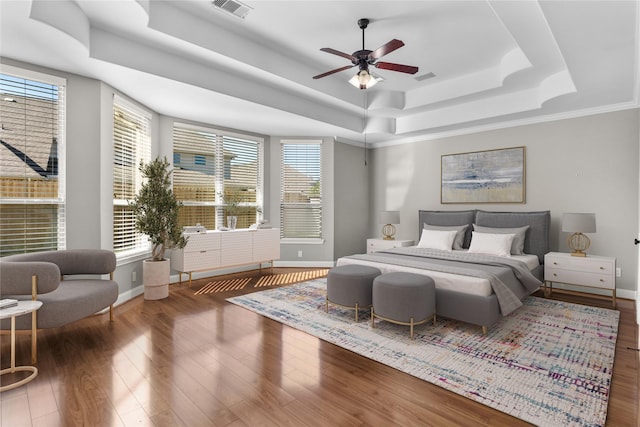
[409, 69]
[337, 52]
[385, 49]
[337, 70]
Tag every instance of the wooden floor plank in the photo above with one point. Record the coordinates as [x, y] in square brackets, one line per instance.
[196, 360]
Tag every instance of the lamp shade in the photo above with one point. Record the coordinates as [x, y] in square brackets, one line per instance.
[579, 222]
[389, 217]
[364, 79]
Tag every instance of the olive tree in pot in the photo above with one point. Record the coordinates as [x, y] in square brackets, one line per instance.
[156, 212]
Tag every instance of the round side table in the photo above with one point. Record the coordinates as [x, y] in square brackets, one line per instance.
[22, 308]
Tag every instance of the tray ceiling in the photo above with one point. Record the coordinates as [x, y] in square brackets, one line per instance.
[493, 63]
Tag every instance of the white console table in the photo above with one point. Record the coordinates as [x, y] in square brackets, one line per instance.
[213, 250]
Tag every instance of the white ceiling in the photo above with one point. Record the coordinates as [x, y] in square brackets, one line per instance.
[496, 63]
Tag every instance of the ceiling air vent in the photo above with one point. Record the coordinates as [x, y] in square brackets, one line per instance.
[425, 77]
[234, 7]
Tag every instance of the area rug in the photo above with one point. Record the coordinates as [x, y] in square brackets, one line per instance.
[549, 363]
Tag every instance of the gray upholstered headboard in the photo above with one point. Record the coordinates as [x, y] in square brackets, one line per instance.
[536, 239]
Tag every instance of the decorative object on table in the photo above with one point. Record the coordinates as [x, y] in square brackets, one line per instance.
[389, 218]
[231, 199]
[579, 223]
[156, 210]
[548, 363]
[491, 176]
[8, 302]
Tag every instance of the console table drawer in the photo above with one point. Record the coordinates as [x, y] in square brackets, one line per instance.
[201, 260]
[202, 242]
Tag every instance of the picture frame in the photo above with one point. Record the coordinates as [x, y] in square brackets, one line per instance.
[489, 176]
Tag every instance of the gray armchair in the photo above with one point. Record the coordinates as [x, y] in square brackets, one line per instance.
[49, 277]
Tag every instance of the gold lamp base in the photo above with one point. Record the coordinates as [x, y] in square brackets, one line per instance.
[579, 243]
[388, 231]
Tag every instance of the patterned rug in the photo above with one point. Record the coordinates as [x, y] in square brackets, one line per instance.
[548, 363]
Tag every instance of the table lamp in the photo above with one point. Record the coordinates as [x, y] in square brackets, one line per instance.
[578, 223]
[388, 218]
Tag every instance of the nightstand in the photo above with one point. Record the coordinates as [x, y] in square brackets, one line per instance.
[375, 245]
[591, 271]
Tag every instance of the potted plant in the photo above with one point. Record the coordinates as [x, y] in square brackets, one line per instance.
[156, 212]
[232, 208]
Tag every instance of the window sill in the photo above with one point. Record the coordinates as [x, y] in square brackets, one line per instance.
[291, 241]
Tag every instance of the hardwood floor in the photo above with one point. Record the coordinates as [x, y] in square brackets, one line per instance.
[196, 360]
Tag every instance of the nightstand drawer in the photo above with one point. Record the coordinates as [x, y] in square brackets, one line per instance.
[588, 264]
[374, 245]
[584, 278]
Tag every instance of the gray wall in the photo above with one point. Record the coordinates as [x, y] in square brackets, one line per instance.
[351, 200]
[587, 164]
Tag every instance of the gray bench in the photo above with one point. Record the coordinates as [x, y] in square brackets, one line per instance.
[350, 286]
[404, 298]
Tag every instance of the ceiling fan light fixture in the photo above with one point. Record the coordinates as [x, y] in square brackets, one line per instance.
[364, 80]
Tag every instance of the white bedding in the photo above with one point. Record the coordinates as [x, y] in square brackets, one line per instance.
[450, 281]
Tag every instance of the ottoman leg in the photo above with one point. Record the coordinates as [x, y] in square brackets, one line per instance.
[411, 328]
[326, 304]
[372, 319]
[356, 312]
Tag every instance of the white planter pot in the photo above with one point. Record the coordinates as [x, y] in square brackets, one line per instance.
[155, 277]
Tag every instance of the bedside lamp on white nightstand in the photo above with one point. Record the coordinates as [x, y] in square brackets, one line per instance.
[389, 218]
[578, 223]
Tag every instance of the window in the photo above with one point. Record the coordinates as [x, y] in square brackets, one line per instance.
[209, 197]
[301, 190]
[32, 163]
[131, 145]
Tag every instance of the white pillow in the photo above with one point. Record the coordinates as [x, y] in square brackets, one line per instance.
[491, 244]
[437, 239]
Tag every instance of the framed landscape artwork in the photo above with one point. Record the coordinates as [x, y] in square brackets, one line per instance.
[491, 176]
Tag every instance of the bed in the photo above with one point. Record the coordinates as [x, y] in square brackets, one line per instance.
[473, 287]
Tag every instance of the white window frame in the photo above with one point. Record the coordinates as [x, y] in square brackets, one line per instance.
[219, 202]
[141, 243]
[60, 200]
[281, 202]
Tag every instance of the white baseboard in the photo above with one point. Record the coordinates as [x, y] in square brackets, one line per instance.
[305, 264]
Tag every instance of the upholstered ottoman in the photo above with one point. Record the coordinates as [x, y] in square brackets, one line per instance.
[350, 286]
[403, 298]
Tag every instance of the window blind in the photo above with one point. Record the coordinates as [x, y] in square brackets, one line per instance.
[216, 174]
[301, 190]
[32, 162]
[194, 184]
[131, 145]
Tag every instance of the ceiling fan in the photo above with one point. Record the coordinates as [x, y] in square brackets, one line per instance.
[363, 58]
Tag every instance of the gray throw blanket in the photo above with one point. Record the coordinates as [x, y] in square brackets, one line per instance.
[466, 264]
